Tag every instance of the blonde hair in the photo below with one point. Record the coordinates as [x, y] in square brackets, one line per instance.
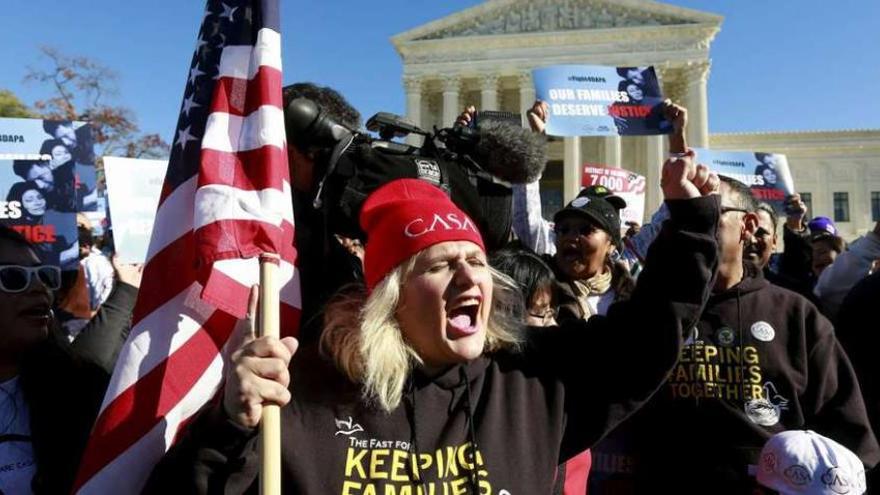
[362, 336]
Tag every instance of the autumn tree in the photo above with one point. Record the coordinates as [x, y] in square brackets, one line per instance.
[81, 88]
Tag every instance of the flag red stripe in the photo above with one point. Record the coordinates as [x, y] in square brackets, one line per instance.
[237, 96]
[128, 417]
[263, 168]
[289, 316]
[223, 290]
[169, 272]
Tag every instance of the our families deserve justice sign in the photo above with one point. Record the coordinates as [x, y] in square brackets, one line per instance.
[592, 100]
[766, 174]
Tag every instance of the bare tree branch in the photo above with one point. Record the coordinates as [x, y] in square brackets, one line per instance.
[80, 87]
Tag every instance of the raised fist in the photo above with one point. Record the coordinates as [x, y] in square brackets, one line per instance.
[683, 179]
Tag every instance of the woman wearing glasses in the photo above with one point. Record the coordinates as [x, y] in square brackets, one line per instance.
[535, 281]
[48, 397]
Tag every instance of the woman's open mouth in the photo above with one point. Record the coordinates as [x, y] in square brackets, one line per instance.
[462, 320]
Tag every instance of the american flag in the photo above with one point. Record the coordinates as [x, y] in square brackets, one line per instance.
[226, 199]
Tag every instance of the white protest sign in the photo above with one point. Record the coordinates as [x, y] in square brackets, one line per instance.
[133, 190]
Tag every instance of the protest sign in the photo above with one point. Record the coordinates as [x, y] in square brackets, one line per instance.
[133, 190]
[766, 174]
[591, 100]
[48, 170]
[67, 146]
[628, 185]
[30, 207]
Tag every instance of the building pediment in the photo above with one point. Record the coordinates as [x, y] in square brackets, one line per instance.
[510, 17]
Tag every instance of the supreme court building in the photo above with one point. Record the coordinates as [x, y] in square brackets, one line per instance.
[484, 55]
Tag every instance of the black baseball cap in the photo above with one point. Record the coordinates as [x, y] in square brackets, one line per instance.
[597, 209]
[605, 193]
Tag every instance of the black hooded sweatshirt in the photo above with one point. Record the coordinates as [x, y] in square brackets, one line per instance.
[761, 360]
[499, 424]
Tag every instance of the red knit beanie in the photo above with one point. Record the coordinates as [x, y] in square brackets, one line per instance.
[404, 217]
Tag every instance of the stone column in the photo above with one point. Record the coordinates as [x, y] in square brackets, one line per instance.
[611, 152]
[669, 78]
[695, 77]
[861, 217]
[571, 169]
[413, 87]
[653, 156]
[526, 91]
[489, 92]
[451, 106]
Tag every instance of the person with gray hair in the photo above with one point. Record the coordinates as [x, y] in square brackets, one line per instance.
[761, 360]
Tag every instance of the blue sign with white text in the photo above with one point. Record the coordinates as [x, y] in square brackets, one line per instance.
[591, 100]
[766, 174]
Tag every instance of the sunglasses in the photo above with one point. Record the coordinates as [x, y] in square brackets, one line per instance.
[17, 278]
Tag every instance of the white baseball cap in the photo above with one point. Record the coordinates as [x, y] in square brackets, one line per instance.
[804, 462]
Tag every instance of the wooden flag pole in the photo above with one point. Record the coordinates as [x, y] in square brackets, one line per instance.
[270, 424]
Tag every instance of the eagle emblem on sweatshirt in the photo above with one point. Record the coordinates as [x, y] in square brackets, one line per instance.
[347, 427]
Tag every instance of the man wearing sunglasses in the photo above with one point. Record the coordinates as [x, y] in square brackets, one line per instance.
[761, 360]
[49, 397]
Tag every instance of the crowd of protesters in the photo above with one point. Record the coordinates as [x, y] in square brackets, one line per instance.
[685, 356]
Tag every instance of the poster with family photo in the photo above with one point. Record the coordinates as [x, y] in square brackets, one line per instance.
[28, 207]
[766, 174]
[592, 100]
[67, 147]
[47, 175]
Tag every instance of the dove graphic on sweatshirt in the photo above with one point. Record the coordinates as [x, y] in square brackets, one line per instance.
[347, 427]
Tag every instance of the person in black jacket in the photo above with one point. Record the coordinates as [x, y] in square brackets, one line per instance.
[326, 265]
[421, 388]
[761, 360]
[796, 262]
[856, 327]
[50, 390]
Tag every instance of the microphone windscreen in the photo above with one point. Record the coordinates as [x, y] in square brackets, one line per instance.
[511, 153]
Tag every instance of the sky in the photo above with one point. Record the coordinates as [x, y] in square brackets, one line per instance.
[785, 65]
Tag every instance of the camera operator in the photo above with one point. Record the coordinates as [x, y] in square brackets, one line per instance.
[325, 266]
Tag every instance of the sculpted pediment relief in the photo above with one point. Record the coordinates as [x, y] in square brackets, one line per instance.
[516, 17]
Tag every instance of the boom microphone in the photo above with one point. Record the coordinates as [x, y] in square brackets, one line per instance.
[511, 153]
